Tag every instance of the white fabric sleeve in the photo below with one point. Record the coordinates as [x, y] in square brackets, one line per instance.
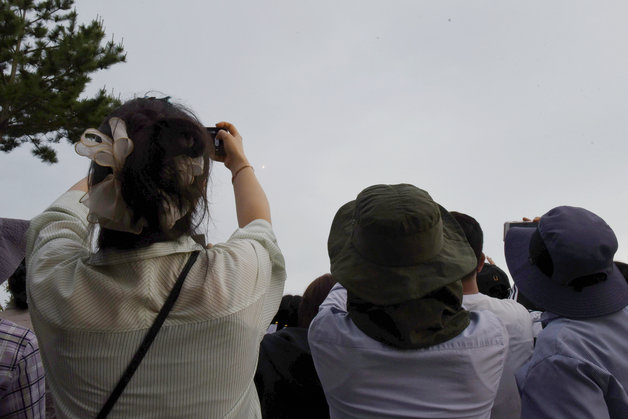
[58, 235]
[270, 266]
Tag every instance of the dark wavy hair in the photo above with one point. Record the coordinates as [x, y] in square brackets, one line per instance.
[313, 297]
[160, 131]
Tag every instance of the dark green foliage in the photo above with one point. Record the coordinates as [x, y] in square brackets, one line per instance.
[46, 59]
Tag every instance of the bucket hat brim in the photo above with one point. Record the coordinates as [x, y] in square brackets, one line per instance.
[384, 285]
[603, 298]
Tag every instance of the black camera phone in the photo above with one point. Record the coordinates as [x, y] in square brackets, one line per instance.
[219, 146]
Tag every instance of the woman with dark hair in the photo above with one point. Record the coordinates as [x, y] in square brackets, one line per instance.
[286, 379]
[143, 200]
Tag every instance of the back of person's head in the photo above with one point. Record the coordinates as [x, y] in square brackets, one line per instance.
[565, 264]
[473, 232]
[401, 256]
[313, 297]
[164, 178]
[288, 313]
[17, 286]
[493, 281]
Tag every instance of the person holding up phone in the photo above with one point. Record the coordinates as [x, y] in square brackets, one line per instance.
[91, 310]
[565, 266]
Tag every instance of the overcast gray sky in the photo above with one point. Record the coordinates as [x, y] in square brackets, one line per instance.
[499, 109]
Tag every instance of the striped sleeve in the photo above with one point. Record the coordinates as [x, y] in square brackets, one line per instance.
[270, 262]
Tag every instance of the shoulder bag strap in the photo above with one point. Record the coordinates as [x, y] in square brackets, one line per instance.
[148, 339]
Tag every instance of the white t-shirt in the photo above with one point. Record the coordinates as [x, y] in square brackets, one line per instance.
[517, 321]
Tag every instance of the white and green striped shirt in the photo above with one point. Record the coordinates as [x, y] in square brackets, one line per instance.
[91, 311]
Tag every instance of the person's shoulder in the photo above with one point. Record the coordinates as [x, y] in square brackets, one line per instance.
[68, 204]
[472, 300]
[9, 328]
[255, 227]
[253, 237]
[507, 310]
[565, 332]
[557, 327]
[510, 311]
[560, 336]
[484, 328]
[483, 318]
[17, 316]
[21, 338]
[254, 241]
[333, 324]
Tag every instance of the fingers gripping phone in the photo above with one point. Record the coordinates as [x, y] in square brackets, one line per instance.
[219, 146]
[528, 224]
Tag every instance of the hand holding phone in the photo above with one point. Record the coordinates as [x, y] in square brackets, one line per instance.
[219, 146]
[227, 146]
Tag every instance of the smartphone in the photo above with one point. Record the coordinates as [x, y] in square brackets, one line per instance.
[527, 224]
[219, 147]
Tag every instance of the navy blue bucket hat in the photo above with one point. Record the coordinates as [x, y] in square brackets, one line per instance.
[565, 264]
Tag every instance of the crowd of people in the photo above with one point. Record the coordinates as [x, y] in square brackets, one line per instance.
[119, 308]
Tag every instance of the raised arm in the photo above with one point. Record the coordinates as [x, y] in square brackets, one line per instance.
[250, 199]
[81, 185]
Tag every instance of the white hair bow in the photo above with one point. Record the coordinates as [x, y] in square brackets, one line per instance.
[104, 200]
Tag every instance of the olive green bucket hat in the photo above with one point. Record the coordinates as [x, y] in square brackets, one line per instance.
[394, 244]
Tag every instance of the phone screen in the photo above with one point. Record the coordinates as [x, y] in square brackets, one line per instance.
[527, 224]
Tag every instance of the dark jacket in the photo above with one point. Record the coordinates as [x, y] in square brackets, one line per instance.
[286, 381]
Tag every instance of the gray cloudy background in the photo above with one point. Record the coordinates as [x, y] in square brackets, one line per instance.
[499, 109]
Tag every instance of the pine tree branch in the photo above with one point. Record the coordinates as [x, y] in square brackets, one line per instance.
[47, 59]
[34, 141]
[14, 64]
[44, 16]
[26, 105]
[44, 47]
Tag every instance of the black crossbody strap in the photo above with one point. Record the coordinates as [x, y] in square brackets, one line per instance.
[148, 339]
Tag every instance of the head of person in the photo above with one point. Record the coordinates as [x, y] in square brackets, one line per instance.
[401, 257]
[493, 281]
[565, 264]
[475, 236]
[149, 172]
[313, 297]
[288, 312]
